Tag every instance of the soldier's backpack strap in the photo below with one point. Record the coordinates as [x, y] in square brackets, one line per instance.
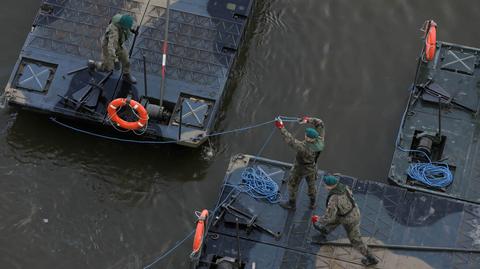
[317, 154]
[352, 202]
[350, 198]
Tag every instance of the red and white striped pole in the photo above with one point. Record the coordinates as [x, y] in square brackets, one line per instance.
[164, 58]
[165, 52]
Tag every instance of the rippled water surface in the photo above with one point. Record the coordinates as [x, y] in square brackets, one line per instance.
[72, 201]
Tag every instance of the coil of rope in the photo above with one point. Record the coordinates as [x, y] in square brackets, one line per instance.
[258, 184]
[432, 174]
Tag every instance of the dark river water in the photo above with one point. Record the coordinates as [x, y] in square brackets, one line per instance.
[72, 201]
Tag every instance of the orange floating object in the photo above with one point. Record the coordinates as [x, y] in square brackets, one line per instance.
[430, 40]
[200, 231]
[140, 111]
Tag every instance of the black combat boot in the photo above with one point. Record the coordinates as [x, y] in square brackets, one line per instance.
[313, 204]
[369, 260]
[129, 78]
[321, 236]
[92, 65]
[290, 205]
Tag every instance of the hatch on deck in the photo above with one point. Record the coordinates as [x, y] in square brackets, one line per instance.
[194, 111]
[34, 75]
[459, 61]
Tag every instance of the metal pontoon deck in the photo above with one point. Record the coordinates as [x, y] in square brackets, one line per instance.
[405, 229]
[442, 120]
[204, 39]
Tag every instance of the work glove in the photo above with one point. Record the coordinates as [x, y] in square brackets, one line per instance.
[279, 123]
[315, 219]
[135, 30]
[304, 120]
[314, 121]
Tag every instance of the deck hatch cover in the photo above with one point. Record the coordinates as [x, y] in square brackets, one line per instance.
[194, 112]
[460, 62]
[34, 75]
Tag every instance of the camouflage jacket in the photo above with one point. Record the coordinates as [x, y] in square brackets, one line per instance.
[341, 208]
[114, 37]
[307, 153]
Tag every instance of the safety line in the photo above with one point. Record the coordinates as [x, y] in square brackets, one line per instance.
[236, 190]
[179, 243]
[53, 119]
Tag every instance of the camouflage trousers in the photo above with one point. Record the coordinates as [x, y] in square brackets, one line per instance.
[294, 182]
[351, 224]
[108, 61]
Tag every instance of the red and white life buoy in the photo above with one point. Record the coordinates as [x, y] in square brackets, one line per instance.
[140, 111]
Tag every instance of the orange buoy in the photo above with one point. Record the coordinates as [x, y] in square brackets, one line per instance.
[430, 40]
[140, 111]
[200, 231]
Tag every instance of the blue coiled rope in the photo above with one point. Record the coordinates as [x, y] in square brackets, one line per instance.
[257, 184]
[431, 174]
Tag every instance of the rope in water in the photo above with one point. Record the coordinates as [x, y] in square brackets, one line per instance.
[211, 213]
[166, 253]
[285, 119]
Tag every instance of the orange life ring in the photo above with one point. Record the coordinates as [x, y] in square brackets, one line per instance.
[139, 110]
[430, 40]
[200, 231]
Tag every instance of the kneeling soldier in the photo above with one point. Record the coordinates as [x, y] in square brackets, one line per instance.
[342, 209]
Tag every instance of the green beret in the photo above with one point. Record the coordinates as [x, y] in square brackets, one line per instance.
[126, 22]
[311, 133]
[330, 180]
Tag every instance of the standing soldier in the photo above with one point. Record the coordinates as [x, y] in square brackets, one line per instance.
[305, 160]
[342, 209]
[118, 31]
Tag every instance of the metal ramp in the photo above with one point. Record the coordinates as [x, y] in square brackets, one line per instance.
[435, 232]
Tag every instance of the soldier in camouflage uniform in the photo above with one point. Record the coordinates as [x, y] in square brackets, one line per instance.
[342, 209]
[118, 31]
[306, 159]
